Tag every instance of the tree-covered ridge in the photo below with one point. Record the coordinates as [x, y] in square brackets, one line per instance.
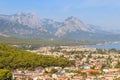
[14, 58]
[5, 74]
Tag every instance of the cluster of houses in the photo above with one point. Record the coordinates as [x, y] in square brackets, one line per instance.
[90, 64]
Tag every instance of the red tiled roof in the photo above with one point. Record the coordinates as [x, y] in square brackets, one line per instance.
[24, 77]
[96, 71]
[112, 72]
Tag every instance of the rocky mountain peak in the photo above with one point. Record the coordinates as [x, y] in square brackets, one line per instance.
[71, 18]
[30, 24]
[72, 24]
[28, 19]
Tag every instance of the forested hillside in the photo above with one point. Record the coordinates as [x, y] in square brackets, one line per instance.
[14, 58]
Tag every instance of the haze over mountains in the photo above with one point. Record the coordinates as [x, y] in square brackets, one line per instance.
[31, 26]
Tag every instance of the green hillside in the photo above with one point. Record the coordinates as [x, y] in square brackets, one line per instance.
[44, 42]
[14, 58]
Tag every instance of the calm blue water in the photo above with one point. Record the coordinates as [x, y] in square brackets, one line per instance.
[107, 46]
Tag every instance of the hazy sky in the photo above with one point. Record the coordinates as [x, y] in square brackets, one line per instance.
[105, 13]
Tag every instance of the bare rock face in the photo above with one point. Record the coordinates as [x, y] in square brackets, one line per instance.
[71, 24]
[29, 24]
[29, 19]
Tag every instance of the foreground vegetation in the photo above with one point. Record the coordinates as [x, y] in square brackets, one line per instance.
[13, 58]
[5, 74]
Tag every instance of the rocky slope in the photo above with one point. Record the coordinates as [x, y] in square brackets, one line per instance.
[30, 25]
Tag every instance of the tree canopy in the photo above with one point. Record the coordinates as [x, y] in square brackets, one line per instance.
[13, 58]
[5, 74]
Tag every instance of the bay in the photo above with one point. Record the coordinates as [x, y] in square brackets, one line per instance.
[107, 46]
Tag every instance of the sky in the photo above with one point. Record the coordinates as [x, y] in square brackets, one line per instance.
[104, 13]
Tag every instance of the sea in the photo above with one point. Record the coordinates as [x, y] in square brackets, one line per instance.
[106, 46]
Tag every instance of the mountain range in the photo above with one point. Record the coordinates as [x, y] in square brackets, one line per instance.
[29, 25]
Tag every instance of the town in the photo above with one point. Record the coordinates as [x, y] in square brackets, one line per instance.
[90, 64]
